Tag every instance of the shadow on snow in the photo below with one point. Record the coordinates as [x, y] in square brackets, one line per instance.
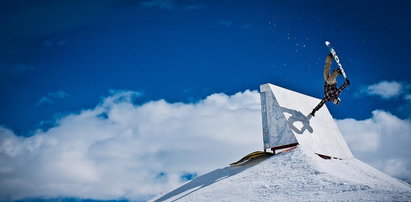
[208, 179]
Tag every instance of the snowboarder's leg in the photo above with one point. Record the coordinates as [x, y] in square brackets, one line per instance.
[330, 79]
[327, 65]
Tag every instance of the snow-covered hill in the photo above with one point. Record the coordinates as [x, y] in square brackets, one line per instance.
[300, 174]
[295, 175]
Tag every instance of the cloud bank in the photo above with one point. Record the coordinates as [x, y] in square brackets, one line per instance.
[122, 150]
[388, 89]
[382, 141]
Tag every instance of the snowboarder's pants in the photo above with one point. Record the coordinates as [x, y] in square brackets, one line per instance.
[330, 79]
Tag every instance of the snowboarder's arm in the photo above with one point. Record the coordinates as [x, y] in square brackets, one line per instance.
[347, 82]
[318, 106]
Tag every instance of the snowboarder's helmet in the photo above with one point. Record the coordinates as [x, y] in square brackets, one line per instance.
[337, 101]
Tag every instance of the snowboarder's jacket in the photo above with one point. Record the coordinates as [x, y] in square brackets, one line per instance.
[331, 92]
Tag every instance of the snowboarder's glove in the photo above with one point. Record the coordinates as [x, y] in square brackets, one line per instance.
[338, 70]
[347, 81]
[313, 113]
[330, 55]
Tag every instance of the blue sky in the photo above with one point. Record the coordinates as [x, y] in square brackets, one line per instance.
[186, 50]
[61, 57]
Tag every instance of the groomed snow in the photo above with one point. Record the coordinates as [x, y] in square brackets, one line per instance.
[295, 176]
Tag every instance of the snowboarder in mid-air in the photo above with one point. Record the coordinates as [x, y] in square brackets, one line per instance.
[331, 92]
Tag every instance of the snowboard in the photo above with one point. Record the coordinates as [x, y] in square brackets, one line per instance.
[334, 53]
[258, 155]
[251, 157]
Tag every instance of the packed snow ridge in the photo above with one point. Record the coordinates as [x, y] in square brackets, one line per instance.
[295, 175]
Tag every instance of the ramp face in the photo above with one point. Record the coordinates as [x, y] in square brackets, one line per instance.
[286, 120]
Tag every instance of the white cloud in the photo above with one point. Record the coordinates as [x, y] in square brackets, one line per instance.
[385, 89]
[52, 97]
[121, 150]
[162, 4]
[383, 141]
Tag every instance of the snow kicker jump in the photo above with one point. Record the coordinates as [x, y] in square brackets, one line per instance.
[286, 122]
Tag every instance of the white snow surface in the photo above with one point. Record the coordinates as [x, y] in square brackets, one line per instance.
[286, 118]
[293, 176]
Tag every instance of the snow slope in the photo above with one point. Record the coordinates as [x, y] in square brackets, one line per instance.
[297, 176]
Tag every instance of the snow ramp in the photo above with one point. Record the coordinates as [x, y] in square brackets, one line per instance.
[287, 121]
